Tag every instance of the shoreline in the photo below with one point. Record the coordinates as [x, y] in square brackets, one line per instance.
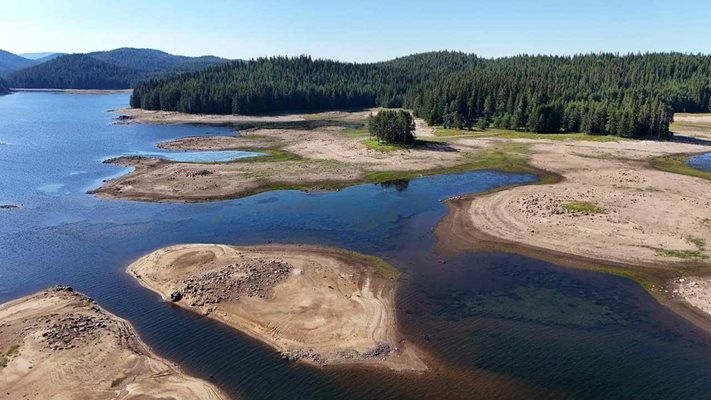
[462, 230]
[618, 191]
[72, 91]
[658, 282]
[64, 345]
[347, 317]
[320, 155]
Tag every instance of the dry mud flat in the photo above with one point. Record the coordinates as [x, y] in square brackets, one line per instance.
[313, 304]
[59, 344]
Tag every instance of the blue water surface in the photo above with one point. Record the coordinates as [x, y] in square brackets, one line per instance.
[701, 161]
[497, 325]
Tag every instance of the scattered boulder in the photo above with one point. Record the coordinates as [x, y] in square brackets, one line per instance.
[176, 296]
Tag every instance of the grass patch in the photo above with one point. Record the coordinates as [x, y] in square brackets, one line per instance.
[9, 354]
[385, 147]
[676, 163]
[382, 267]
[511, 134]
[271, 156]
[647, 280]
[698, 242]
[506, 157]
[582, 207]
[684, 254]
[361, 131]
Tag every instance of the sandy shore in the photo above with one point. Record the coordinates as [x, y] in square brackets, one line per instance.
[325, 157]
[137, 115]
[312, 304]
[639, 215]
[696, 291]
[59, 344]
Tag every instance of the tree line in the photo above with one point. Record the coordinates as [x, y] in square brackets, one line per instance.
[628, 95]
[4, 88]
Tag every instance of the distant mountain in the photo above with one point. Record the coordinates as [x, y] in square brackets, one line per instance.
[74, 71]
[12, 62]
[122, 68]
[43, 56]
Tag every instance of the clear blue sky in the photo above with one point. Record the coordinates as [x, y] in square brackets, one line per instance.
[360, 30]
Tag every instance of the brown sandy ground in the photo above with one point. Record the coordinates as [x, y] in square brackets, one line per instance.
[326, 157]
[696, 291]
[59, 344]
[610, 205]
[313, 304]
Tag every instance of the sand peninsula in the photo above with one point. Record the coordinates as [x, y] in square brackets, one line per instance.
[59, 344]
[310, 152]
[318, 305]
[617, 208]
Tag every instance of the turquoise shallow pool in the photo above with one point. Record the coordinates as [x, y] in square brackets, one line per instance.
[500, 325]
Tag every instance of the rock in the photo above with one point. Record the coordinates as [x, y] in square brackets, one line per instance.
[176, 296]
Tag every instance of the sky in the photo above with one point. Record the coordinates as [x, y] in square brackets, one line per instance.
[361, 30]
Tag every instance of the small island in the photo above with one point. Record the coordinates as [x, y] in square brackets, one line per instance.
[60, 344]
[313, 304]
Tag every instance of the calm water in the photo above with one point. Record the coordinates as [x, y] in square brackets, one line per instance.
[702, 162]
[501, 326]
[196, 156]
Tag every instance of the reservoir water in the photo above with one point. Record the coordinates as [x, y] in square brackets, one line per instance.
[701, 161]
[498, 325]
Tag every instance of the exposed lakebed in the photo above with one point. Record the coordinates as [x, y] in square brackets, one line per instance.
[499, 325]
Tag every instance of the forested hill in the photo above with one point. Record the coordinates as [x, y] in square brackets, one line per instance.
[630, 95]
[4, 88]
[155, 62]
[74, 71]
[12, 62]
[116, 69]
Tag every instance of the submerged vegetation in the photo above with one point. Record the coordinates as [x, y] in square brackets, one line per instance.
[631, 95]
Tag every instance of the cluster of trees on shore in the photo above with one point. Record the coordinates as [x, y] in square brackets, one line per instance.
[392, 126]
[627, 95]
